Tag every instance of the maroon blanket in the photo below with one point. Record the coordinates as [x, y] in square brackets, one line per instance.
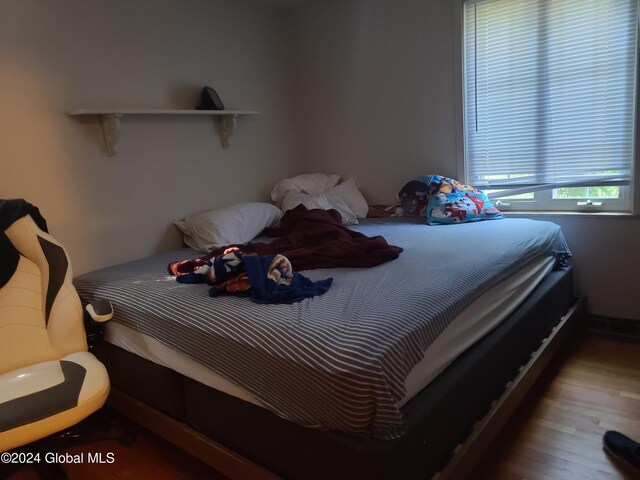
[312, 239]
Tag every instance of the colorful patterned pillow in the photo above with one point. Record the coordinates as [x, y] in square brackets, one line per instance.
[453, 202]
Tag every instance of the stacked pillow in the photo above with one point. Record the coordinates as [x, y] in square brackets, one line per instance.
[309, 183]
[241, 223]
[316, 190]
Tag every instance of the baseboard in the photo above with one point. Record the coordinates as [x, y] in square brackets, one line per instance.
[623, 329]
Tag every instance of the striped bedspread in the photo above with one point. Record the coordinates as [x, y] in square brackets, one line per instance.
[336, 361]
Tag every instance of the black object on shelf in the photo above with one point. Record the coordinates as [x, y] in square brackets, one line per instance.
[209, 100]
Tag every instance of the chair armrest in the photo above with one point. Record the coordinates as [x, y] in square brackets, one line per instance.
[96, 314]
[100, 310]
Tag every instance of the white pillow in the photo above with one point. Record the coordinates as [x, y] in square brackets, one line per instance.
[311, 183]
[320, 200]
[348, 193]
[221, 226]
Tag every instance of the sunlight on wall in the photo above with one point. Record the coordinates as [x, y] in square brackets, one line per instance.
[34, 151]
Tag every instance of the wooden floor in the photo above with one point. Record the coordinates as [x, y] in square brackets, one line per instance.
[150, 457]
[555, 434]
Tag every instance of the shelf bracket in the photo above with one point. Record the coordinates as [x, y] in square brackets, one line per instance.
[225, 125]
[111, 132]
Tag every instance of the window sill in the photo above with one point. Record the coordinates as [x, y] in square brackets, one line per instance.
[552, 213]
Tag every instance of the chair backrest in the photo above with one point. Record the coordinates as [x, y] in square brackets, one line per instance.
[41, 314]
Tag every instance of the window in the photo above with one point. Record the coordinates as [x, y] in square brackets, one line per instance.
[549, 102]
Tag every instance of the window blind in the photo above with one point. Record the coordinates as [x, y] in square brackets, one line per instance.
[549, 91]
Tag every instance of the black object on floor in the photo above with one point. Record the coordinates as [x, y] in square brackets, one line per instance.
[623, 448]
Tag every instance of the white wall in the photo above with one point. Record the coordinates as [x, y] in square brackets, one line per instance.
[56, 56]
[375, 90]
[377, 97]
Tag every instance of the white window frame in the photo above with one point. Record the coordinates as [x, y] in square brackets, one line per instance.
[544, 201]
[628, 201]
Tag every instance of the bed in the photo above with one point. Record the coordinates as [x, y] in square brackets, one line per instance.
[423, 345]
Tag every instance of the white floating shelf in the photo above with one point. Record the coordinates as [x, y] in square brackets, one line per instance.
[110, 120]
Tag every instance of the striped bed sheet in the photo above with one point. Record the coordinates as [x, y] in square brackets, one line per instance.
[338, 361]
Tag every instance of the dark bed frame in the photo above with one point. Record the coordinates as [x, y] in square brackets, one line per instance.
[449, 424]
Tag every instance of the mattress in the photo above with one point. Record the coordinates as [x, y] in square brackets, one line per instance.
[468, 327]
[342, 360]
[438, 418]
